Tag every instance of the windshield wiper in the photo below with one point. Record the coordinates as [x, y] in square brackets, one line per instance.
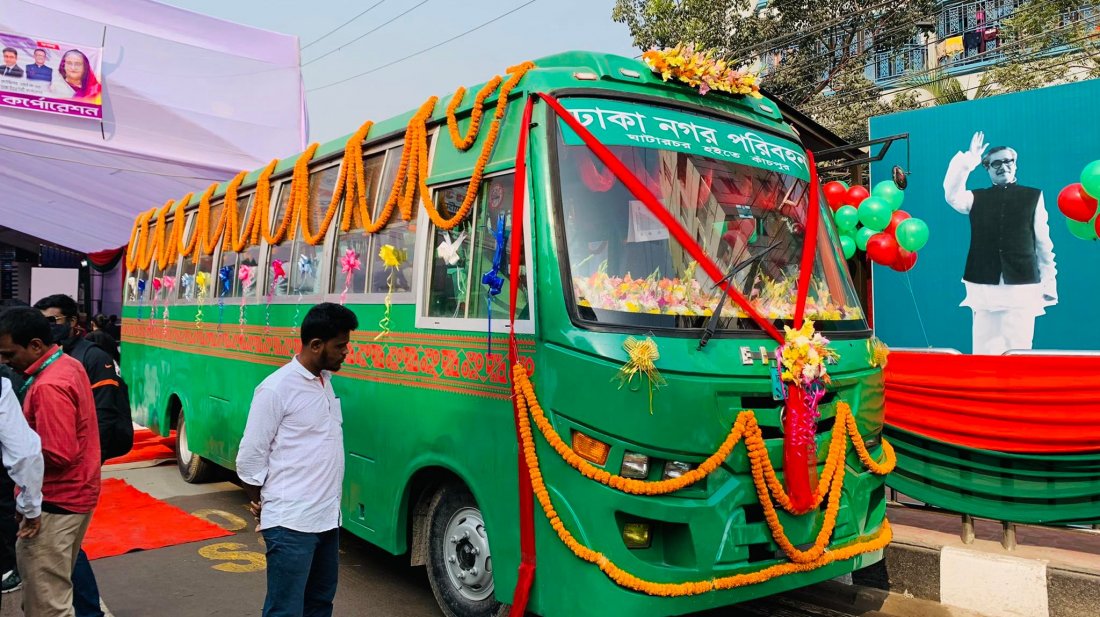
[712, 323]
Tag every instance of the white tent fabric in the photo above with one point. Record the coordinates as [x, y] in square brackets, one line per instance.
[187, 100]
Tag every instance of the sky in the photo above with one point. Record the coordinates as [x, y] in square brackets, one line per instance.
[537, 28]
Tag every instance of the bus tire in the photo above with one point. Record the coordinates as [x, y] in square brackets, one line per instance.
[460, 568]
[193, 467]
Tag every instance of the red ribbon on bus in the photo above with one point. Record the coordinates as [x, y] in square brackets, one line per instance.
[800, 461]
[526, 506]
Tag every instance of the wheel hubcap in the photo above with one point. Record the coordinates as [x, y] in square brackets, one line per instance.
[181, 445]
[466, 553]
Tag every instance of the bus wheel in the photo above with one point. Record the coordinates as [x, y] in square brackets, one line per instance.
[460, 568]
[193, 467]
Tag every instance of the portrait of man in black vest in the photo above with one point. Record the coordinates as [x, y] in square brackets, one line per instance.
[1010, 275]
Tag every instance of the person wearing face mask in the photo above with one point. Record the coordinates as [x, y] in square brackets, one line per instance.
[116, 430]
[1010, 275]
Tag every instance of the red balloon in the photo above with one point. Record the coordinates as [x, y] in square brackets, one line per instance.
[905, 261]
[895, 220]
[882, 248]
[1076, 204]
[856, 195]
[834, 194]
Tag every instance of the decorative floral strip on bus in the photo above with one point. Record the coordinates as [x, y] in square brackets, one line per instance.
[764, 479]
[164, 242]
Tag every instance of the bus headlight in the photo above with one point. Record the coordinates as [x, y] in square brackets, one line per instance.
[636, 535]
[635, 466]
[675, 469]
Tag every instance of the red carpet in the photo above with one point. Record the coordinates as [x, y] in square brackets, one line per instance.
[129, 520]
[148, 447]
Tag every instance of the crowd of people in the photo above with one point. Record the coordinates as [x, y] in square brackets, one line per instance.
[63, 412]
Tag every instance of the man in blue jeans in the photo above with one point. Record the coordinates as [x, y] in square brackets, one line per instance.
[291, 462]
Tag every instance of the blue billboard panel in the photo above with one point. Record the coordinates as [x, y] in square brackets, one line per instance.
[1002, 270]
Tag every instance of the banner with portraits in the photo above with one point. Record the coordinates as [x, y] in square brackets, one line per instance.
[51, 76]
[1005, 271]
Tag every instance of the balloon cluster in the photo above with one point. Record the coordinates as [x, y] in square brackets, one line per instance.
[1078, 202]
[873, 221]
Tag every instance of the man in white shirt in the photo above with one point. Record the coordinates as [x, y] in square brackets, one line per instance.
[1010, 275]
[291, 461]
[21, 450]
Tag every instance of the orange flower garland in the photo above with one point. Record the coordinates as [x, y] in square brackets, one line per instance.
[525, 394]
[517, 72]
[478, 109]
[352, 180]
[411, 178]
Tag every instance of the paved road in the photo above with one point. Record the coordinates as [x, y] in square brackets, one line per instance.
[225, 577]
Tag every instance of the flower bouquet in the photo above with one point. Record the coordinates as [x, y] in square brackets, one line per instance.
[700, 69]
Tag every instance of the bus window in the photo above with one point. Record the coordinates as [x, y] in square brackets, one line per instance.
[283, 251]
[463, 255]
[355, 238]
[250, 256]
[450, 257]
[205, 265]
[399, 233]
[305, 264]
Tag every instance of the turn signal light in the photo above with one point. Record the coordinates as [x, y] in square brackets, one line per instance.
[590, 449]
[636, 535]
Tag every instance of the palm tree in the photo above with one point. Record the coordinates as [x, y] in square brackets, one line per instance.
[946, 89]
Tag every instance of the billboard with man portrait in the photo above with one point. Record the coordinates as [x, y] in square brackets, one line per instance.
[1004, 270]
[51, 76]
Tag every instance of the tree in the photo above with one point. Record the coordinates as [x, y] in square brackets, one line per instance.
[1047, 42]
[815, 55]
[945, 89]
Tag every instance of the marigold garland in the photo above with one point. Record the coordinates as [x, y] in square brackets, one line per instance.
[806, 561]
[476, 111]
[168, 238]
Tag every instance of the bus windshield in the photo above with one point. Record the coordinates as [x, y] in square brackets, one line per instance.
[625, 268]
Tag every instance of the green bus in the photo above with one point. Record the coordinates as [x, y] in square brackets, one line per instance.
[408, 223]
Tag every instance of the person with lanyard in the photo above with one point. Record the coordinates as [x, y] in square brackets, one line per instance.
[22, 458]
[116, 429]
[59, 406]
[291, 463]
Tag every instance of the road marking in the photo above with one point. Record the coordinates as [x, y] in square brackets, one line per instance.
[228, 522]
[231, 553]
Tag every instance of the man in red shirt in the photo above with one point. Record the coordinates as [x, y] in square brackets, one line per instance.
[60, 407]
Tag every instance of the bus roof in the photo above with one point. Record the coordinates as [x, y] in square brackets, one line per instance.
[562, 71]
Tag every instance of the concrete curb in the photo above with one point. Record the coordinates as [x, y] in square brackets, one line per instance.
[867, 601]
[985, 578]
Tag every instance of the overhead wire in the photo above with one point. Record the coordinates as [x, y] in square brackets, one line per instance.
[337, 28]
[422, 51]
[371, 31]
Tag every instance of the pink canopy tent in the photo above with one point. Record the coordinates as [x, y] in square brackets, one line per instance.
[187, 100]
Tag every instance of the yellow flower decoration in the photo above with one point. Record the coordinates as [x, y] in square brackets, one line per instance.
[879, 352]
[643, 356]
[391, 256]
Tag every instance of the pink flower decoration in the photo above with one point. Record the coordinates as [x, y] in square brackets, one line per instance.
[277, 268]
[350, 262]
[247, 274]
[156, 285]
[169, 282]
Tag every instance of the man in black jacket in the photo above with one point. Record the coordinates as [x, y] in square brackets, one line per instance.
[1010, 275]
[116, 432]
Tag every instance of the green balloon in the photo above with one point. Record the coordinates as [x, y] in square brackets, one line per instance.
[875, 213]
[912, 234]
[848, 245]
[890, 193]
[846, 218]
[1090, 179]
[1084, 231]
[863, 234]
[845, 184]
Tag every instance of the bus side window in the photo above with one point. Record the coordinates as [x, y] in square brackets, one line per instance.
[398, 233]
[462, 256]
[450, 252]
[355, 238]
[305, 263]
[204, 265]
[250, 256]
[282, 251]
